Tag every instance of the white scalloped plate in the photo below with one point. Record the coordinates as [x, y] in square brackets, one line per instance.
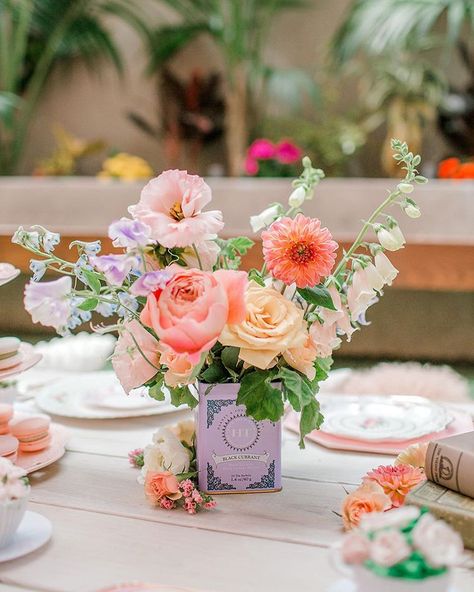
[89, 395]
[34, 531]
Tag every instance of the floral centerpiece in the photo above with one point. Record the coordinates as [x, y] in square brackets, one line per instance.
[186, 313]
[407, 547]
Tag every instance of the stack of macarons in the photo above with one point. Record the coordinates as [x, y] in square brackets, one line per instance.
[10, 355]
[24, 434]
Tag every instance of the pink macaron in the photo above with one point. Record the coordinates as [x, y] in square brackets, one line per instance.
[32, 432]
[6, 413]
[8, 447]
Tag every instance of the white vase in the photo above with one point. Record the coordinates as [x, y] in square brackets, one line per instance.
[11, 515]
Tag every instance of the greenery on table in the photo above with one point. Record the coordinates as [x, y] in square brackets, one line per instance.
[36, 35]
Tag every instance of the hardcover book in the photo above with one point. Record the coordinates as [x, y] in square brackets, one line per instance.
[450, 462]
[454, 508]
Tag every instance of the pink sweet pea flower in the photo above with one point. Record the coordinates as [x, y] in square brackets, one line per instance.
[171, 205]
[287, 152]
[49, 302]
[189, 314]
[261, 149]
[131, 368]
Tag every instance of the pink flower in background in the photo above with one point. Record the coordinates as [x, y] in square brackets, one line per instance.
[251, 166]
[287, 152]
[48, 302]
[354, 548]
[161, 485]
[179, 366]
[440, 544]
[298, 250]
[189, 314]
[171, 205]
[389, 547]
[396, 481]
[132, 369]
[135, 458]
[369, 497]
[262, 149]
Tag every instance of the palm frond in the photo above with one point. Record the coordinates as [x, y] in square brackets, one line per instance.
[168, 40]
[381, 26]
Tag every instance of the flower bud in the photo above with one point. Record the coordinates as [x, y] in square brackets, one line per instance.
[405, 187]
[412, 211]
[265, 218]
[297, 197]
[392, 239]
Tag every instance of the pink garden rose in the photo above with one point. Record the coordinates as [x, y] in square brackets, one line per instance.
[188, 315]
[131, 368]
[160, 485]
[171, 205]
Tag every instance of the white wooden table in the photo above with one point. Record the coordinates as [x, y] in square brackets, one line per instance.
[105, 532]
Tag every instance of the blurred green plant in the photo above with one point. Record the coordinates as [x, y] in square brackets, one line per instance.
[400, 85]
[239, 28]
[35, 35]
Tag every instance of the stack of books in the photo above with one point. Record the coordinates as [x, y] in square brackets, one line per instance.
[449, 490]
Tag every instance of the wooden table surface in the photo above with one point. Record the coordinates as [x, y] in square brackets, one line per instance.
[105, 532]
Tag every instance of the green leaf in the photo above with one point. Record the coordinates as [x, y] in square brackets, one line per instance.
[155, 391]
[214, 373]
[181, 395]
[241, 244]
[230, 358]
[261, 399]
[310, 419]
[298, 388]
[323, 366]
[92, 279]
[319, 295]
[256, 276]
[89, 304]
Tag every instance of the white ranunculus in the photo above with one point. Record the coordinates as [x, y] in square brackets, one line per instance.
[440, 545]
[392, 239]
[385, 268]
[265, 218]
[165, 454]
[297, 197]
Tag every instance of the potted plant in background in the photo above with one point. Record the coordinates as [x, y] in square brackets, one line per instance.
[36, 36]
[255, 341]
[415, 87]
[239, 30]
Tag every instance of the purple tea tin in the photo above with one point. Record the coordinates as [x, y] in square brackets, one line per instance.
[235, 453]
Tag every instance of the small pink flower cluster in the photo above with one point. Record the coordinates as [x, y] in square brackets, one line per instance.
[193, 499]
[284, 152]
[135, 458]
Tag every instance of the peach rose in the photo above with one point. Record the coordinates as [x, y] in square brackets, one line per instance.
[159, 485]
[272, 325]
[369, 497]
[189, 314]
[131, 368]
[302, 358]
[179, 366]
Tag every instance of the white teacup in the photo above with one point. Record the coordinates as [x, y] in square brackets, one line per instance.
[367, 581]
[11, 515]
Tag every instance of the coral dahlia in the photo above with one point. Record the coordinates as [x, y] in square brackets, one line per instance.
[396, 481]
[298, 250]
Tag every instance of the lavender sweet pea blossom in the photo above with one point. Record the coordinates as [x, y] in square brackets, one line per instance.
[48, 302]
[114, 267]
[129, 233]
[149, 282]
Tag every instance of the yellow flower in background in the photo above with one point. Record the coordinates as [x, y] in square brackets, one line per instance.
[125, 166]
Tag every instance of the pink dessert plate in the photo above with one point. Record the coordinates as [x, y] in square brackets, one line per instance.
[29, 359]
[34, 461]
[461, 423]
